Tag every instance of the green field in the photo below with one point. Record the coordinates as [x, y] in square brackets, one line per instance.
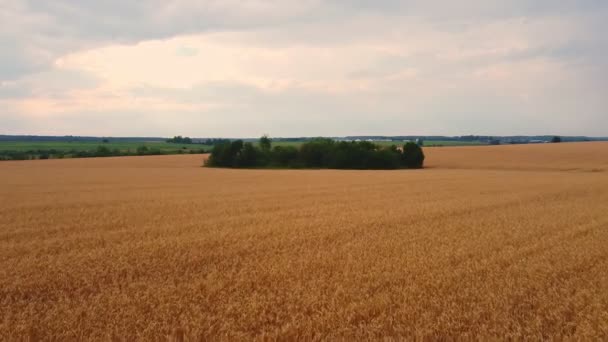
[170, 147]
[430, 143]
[24, 146]
[18, 150]
[427, 143]
[24, 150]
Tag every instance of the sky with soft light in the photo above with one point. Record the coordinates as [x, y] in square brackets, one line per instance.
[303, 68]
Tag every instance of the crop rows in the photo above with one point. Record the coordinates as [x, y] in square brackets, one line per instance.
[157, 247]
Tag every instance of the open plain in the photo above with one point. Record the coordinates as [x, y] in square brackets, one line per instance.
[505, 241]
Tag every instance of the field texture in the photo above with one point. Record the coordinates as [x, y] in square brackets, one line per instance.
[507, 241]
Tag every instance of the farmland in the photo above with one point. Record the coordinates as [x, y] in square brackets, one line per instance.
[91, 145]
[493, 241]
[163, 146]
[24, 150]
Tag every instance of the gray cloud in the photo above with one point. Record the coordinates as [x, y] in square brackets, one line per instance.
[47, 83]
[34, 34]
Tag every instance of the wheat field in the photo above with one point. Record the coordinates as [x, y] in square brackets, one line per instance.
[505, 241]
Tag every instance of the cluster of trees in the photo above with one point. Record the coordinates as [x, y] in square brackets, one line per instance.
[180, 140]
[317, 153]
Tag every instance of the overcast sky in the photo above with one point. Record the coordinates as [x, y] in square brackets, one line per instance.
[303, 67]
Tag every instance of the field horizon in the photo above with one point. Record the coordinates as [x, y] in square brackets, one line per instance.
[491, 241]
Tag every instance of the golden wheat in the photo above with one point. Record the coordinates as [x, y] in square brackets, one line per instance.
[487, 242]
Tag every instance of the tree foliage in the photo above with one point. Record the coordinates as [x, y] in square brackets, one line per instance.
[413, 157]
[265, 143]
[180, 140]
[317, 153]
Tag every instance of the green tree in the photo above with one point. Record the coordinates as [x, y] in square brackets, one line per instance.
[225, 154]
[284, 156]
[247, 157]
[265, 143]
[413, 157]
[316, 152]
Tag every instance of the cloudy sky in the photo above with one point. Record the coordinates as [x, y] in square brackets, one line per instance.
[303, 67]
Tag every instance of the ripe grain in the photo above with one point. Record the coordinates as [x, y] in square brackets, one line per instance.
[505, 241]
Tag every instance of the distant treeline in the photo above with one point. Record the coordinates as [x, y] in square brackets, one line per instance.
[187, 140]
[317, 153]
[101, 151]
[214, 141]
[180, 140]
